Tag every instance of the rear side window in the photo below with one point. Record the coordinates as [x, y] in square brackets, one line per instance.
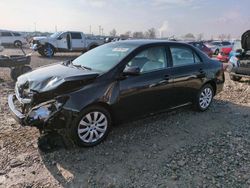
[183, 56]
[6, 34]
[76, 35]
[17, 34]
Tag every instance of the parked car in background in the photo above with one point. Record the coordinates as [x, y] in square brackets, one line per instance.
[65, 41]
[116, 82]
[202, 47]
[10, 38]
[1, 47]
[223, 56]
[240, 58]
[216, 46]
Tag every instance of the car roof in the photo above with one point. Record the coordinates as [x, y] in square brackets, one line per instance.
[142, 42]
[2, 30]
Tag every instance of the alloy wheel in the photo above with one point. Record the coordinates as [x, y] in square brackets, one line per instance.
[205, 98]
[48, 51]
[92, 127]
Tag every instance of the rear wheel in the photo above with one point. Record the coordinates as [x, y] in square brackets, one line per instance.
[17, 44]
[15, 72]
[235, 78]
[204, 98]
[18, 71]
[92, 126]
[26, 69]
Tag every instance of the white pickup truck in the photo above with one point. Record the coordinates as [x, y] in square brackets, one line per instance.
[65, 41]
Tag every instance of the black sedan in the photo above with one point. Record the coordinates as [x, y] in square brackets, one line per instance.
[114, 83]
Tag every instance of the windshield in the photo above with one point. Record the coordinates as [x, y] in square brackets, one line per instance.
[56, 34]
[105, 57]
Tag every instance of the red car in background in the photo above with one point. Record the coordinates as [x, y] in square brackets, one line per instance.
[223, 56]
[202, 47]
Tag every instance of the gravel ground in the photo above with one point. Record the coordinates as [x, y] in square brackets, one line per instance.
[181, 148]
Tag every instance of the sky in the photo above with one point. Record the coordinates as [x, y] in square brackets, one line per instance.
[168, 17]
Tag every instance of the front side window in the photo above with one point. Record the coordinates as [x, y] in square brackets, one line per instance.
[151, 59]
[183, 56]
[105, 57]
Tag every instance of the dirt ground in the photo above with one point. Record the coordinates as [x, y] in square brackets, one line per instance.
[181, 148]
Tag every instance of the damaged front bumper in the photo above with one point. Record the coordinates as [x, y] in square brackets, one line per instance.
[39, 116]
[17, 115]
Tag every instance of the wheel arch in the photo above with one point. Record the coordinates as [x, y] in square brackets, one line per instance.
[213, 84]
[103, 105]
[47, 43]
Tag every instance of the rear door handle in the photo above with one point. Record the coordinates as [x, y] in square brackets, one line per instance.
[202, 73]
[166, 77]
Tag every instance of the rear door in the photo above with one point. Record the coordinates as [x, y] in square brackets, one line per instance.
[188, 73]
[77, 41]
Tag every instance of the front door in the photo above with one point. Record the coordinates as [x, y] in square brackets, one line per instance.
[64, 42]
[148, 92]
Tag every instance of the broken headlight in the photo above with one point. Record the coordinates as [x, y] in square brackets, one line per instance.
[42, 112]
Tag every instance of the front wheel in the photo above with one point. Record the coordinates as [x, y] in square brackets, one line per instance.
[48, 51]
[91, 127]
[204, 98]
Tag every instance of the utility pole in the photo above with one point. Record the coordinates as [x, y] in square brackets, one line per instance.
[100, 28]
[35, 26]
[90, 30]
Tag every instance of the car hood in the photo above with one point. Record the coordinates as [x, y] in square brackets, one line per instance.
[245, 40]
[57, 78]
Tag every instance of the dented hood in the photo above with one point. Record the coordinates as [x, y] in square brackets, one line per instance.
[55, 76]
[245, 40]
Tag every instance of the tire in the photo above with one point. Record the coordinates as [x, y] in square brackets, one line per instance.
[40, 51]
[15, 72]
[48, 50]
[26, 69]
[93, 121]
[18, 44]
[235, 78]
[204, 98]
[217, 51]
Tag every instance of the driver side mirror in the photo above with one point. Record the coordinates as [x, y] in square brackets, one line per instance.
[132, 71]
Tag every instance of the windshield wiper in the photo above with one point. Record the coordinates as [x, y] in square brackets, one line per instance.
[88, 68]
